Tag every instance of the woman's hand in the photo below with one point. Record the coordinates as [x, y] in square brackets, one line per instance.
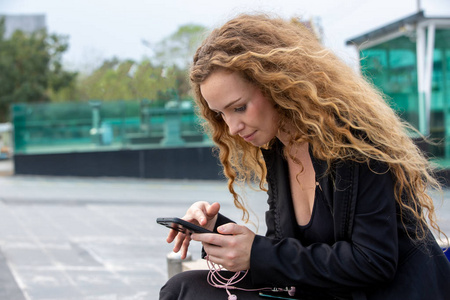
[200, 213]
[231, 248]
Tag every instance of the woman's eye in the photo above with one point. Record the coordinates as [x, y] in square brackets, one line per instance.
[241, 108]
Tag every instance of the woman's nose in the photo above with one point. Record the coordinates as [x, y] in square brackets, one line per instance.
[235, 125]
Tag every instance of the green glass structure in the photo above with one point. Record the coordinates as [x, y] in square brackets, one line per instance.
[102, 126]
[409, 61]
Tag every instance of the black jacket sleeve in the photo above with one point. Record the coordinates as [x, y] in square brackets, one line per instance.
[370, 256]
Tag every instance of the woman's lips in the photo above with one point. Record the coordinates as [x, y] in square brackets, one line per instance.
[249, 137]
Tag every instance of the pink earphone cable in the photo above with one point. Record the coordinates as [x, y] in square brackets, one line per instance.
[217, 280]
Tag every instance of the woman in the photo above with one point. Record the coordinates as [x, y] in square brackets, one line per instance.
[348, 208]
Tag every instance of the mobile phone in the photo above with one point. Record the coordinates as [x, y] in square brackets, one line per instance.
[181, 225]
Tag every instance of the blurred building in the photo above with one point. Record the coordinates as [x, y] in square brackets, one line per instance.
[409, 60]
[25, 23]
[113, 139]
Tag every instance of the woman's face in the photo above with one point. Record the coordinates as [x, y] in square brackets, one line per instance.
[242, 106]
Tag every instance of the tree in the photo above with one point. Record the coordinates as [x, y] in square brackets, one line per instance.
[30, 68]
[175, 53]
[179, 48]
[163, 77]
[126, 80]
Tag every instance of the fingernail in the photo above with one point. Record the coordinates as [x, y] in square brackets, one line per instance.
[222, 228]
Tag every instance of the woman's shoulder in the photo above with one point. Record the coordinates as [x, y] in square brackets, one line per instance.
[363, 164]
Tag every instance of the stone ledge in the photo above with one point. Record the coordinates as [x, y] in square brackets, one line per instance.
[199, 264]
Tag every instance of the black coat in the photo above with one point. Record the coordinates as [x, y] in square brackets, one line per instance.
[372, 257]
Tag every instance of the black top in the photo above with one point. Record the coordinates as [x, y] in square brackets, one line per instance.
[372, 257]
[320, 227]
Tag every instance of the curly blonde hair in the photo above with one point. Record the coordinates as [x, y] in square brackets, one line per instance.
[338, 112]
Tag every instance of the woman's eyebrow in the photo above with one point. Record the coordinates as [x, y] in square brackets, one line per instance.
[232, 102]
[226, 106]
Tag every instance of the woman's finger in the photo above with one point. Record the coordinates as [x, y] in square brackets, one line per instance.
[185, 246]
[199, 213]
[212, 210]
[179, 241]
[171, 236]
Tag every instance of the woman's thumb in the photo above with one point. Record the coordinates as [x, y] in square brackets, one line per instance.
[213, 209]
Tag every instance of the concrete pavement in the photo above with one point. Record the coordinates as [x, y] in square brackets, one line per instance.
[93, 238]
[71, 238]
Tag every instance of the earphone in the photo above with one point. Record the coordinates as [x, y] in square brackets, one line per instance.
[291, 291]
[216, 280]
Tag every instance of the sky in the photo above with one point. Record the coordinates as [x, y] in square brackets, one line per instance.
[102, 29]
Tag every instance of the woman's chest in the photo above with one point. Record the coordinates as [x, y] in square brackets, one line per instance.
[302, 189]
